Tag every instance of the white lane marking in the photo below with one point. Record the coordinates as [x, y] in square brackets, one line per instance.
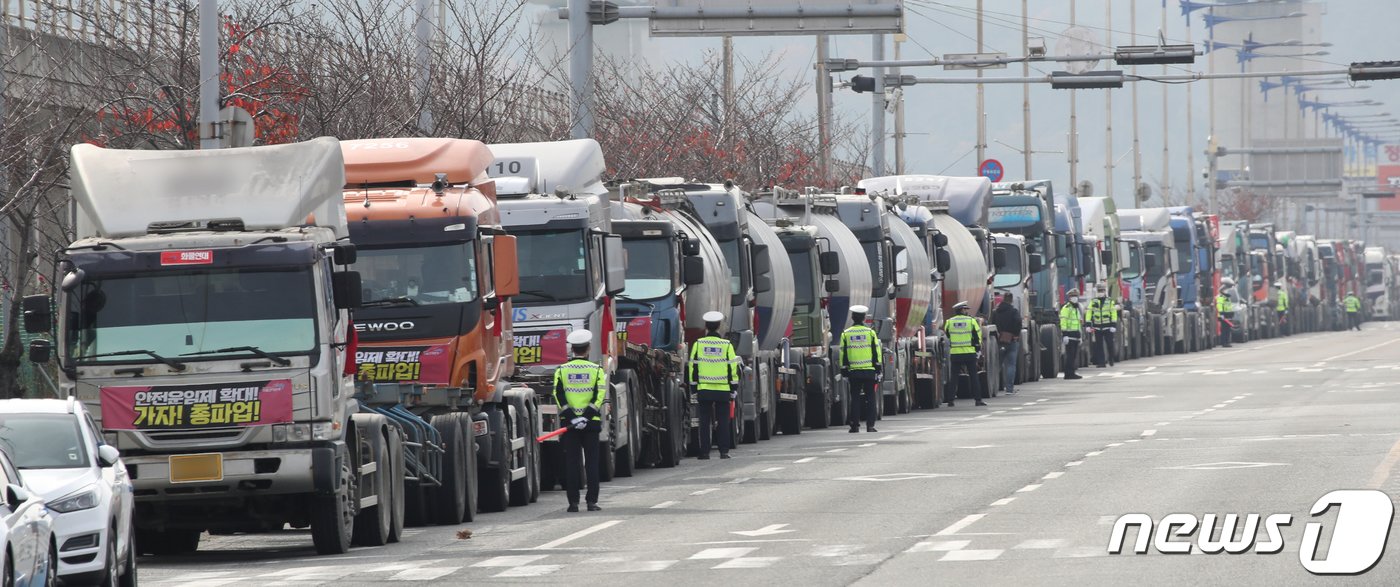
[832, 550]
[576, 535]
[960, 525]
[1161, 423]
[517, 560]
[1028, 404]
[805, 460]
[982, 416]
[1115, 444]
[1053, 475]
[663, 505]
[889, 437]
[1208, 410]
[1074, 463]
[525, 571]
[1149, 432]
[704, 491]
[1218, 406]
[772, 470]
[979, 446]
[645, 566]
[1372, 347]
[1093, 453]
[738, 481]
[939, 546]
[1135, 440]
[1229, 401]
[999, 412]
[1042, 543]
[714, 553]
[1043, 399]
[861, 560]
[867, 445]
[1003, 501]
[972, 555]
[757, 562]
[1242, 397]
[1029, 488]
[1017, 408]
[837, 450]
[754, 541]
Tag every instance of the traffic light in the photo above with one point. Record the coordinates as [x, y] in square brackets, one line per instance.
[862, 83]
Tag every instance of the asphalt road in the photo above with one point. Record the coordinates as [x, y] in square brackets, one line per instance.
[1024, 491]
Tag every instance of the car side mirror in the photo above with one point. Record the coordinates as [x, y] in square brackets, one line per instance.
[38, 313]
[16, 495]
[830, 263]
[40, 351]
[108, 455]
[693, 270]
[345, 286]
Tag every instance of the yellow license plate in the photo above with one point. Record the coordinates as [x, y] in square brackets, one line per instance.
[201, 467]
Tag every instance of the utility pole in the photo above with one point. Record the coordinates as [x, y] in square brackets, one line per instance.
[1190, 130]
[1026, 90]
[981, 95]
[1073, 125]
[1137, 152]
[581, 68]
[422, 36]
[1166, 125]
[728, 113]
[899, 39]
[877, 108]
[823, 109]
[208, 74]
[1108, 106]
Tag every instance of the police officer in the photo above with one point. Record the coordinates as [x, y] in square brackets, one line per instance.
[1281, 306]
[1071, 328]
[1103, 319]
[714, 374]
[861, 366]
[580, 386]
[1353, 308]
[1225, 310]
[965, 342]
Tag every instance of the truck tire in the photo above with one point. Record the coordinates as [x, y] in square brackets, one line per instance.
[372, 524]
[166, 542]
[520, 488]
[607, 462]
[1049, 352]
[333, 516]
[627, 456]
[458, 461]
[818, 406]
[396, 483]
[790, 417]
[493, 483]
[677, 416]
[838, 406]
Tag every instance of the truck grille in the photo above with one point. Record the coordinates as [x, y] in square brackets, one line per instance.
[205, 435]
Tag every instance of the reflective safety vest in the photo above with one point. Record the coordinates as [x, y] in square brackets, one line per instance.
[1282, 301]
[1223, 304]
[1103, 312]
[860, 348]
[713, 364]
[964, 334]
[582, 383]
[1353, 304]
[1070, 320]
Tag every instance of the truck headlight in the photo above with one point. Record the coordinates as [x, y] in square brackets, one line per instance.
[84, 499]
[325, 430]
[291, 433]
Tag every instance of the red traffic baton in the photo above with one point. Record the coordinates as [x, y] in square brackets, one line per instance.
[550, 435]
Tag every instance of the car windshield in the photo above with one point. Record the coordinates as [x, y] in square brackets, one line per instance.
[731, 258]
[43, 441]
[648, 268]
[179, 313]
[1009, 274]
[805, 294]
[419, 275]
[553, 266]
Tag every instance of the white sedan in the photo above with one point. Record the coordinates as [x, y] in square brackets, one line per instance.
[59, 452]
[26, 529]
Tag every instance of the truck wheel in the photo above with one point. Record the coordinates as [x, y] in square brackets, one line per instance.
[818, 408]
[450, 498]
[673, 441]
[1049, 352]
[838, 407]
[551, 463]
[926, 392]
[628, 455]
[493, 483]
[333, 516]
[607, 462]
[167, 542]
[396, 484]
[790, 417]
[903, 399]
[765, 427]
[373, 522]
[520, 488]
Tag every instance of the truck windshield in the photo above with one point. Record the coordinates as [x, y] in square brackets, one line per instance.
[43, 441]
[731, 258]
[1010, 273]
[648, 268]
[1376, 277]
[1159, 269]
[802, 273]
[553, 266]
[1132, 267]
[179, 313]
[1185, 254]
[418, 275]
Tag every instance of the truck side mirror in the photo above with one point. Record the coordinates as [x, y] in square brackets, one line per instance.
[762, 283]
[832, 286]
[1036, 263]
[940, 240]
[830, 263]
[505, 266]
[745, 346]
[616, 260]
[40, 351]
[693, 270]
[344, 253]
[999, 258]
[945, 260]
[345, 288]
[690, 247]
[1106, 257]
[38, 314]
[761, 263]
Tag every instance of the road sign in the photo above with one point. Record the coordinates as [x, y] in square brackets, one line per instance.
[991, 169]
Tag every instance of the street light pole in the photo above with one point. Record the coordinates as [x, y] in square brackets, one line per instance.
[1108, 108]
[1073, 125]
[581, 69]
[981, 95]
[1191, 128]
[1137, 151]
[1026, 89]
[1166, 123]
[208, 74]
[877, 108]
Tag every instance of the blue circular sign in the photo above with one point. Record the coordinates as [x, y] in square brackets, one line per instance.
[991, 169]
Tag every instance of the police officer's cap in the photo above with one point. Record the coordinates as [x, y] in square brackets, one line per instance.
[1227, 281]
[859, 309]
[714, 317]
[959, 306]
[1074, 292]
[580, 337]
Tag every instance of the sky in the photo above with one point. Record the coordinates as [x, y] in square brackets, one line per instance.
[941, 119]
